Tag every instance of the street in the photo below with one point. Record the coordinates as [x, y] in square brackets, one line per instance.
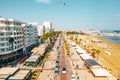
[64, 63]
[74, 65]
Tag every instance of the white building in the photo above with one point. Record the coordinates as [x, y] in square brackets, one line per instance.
[30, 36]
[44, 28]
[48, 26]
[10, 28]
[24, 38]
[40, 30]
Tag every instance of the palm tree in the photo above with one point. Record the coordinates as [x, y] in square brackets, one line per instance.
[97, 52]
[11, 40]
[93, 52]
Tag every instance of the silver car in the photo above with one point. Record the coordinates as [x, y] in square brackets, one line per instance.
[73, 77]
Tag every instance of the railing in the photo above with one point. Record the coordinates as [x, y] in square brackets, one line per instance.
[10, 25]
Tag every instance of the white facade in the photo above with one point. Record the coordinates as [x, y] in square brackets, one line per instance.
[24, 35]
[48, 26]
[40, 30]
[44, 28]
[30, 34]
[10, 28]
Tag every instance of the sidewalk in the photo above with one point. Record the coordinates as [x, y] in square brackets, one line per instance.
[83, 72]
[49, 64]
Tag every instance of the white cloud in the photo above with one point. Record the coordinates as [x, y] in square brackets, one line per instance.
[44, 1]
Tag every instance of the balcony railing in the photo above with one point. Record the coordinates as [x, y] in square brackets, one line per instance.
[6, 46]
[10, 25]
[3, 41]
[7, 52]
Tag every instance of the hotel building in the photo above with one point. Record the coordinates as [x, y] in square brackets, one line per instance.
[44, 28]
[16, 40]
[10, 29]
[47, 26]
[30, 37]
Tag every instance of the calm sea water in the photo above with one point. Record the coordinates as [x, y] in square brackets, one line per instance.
[114, 39]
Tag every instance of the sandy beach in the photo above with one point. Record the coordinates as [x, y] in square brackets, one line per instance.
[110, 62]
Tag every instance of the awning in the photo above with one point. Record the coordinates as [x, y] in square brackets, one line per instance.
[23, 59]
[100, 72]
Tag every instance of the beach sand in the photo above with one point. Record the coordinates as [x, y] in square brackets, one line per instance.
[110, 62]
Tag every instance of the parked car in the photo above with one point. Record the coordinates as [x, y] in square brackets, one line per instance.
[56, 72]
[57, 63]
[79, 78]
[56, 68]
[64, 71]
[73, 77]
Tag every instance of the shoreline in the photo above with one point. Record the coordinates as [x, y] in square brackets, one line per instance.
[110, 40]
[110, 62]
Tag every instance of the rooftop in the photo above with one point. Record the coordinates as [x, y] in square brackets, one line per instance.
[20, 75]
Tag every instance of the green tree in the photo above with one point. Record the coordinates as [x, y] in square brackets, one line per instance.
[93, 52]
[97, 52]
[11, 40]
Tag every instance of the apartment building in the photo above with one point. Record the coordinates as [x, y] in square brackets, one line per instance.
[47, 26]
[40, 30]
[30, 36]
[10, 39]
[16, 39]
[44, 28]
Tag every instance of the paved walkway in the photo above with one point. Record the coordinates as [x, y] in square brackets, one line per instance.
[50, 63]
[83, 72]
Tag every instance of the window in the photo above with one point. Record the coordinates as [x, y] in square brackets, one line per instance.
[7, 49]
[1, 34]
[14, 23]
[1, 28]
[1, 39]
[2, 44]
[10, 33]
[2, 50]
[15, 47]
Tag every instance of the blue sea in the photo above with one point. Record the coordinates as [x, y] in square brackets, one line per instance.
[114, 39]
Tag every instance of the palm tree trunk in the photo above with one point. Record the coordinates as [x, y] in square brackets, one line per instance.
[12, 46]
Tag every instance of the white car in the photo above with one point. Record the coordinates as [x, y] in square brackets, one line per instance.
[73, 77]
[64, 71]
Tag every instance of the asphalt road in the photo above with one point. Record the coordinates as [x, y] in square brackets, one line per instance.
[64, 62]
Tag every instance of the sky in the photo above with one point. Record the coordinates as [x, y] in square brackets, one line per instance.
[65, 14]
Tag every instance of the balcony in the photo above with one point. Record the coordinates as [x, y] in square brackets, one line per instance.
[4, 46]
[5, 41]
[4, 36]
[3, 31]
[8, 52]
[10, 25]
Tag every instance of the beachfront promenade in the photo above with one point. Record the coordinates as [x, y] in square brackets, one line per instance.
[107, 61]
[74, 63]
[74, 60]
